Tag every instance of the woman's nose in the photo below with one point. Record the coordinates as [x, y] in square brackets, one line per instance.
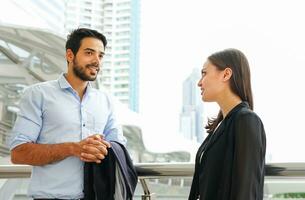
[199, 83]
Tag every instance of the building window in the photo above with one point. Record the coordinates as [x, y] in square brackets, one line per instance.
[121, 86]
[123, 33]
[125, 55]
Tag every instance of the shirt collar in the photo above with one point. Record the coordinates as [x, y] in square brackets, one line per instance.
[64, 84]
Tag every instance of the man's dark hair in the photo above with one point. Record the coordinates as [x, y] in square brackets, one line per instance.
[75, 37]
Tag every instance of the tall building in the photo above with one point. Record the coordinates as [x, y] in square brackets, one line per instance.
[119, 21]
[191, 119]
[84, 13]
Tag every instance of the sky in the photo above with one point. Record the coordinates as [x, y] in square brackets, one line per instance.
[11, 14]
[177, 36]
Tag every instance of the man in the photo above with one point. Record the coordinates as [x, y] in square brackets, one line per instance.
[64, 123]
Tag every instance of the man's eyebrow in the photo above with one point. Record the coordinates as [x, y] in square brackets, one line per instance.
[89, 49]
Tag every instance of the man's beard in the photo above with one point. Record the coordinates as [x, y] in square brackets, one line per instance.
[80, 71]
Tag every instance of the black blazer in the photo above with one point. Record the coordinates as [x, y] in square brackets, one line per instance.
[230, 162]
[99, 179]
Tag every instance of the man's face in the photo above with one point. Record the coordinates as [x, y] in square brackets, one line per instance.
[88, 59]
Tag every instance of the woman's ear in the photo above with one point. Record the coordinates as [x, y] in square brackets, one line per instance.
[227, 74]
[69, 55]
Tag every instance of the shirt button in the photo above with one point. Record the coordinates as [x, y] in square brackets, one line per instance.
[84, 125]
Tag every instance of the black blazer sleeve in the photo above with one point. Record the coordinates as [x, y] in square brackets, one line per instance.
[249, 157]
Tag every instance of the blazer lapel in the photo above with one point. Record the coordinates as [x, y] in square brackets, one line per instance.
[218, 133]
[225, 122]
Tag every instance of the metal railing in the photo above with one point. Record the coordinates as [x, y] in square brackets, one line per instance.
[274, 172]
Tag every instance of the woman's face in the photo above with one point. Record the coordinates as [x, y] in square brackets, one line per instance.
[211, 83]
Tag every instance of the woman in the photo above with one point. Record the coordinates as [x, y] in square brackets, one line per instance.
[230, 162]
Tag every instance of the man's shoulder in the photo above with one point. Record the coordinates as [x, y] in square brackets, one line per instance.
[42, 85]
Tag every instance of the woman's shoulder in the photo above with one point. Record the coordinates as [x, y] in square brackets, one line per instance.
[245, 115]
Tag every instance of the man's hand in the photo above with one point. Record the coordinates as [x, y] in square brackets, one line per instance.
[92, 149]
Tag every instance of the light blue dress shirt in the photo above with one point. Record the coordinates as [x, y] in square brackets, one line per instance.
[51, 112]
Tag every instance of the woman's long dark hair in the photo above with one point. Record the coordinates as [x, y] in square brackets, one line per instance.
[240, 81]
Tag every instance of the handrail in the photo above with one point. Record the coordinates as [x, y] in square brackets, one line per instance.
[155, 170]
[15, 171]
[274, 171]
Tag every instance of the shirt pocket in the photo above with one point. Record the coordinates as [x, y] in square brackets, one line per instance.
[100, 124]
[96, 123]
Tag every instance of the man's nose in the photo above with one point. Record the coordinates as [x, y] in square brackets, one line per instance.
[97, 58]
[95, 62]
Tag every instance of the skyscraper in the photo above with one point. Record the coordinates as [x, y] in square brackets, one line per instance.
[191, 119]
[119, 21]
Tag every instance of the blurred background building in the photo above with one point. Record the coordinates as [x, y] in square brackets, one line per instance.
[191, 116]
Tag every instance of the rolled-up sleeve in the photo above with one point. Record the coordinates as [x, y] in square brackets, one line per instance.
[29, 119]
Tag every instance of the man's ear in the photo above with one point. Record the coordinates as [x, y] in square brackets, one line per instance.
[227, 74]
[69, 55]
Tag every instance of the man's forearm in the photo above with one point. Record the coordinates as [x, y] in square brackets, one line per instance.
[41, 154]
